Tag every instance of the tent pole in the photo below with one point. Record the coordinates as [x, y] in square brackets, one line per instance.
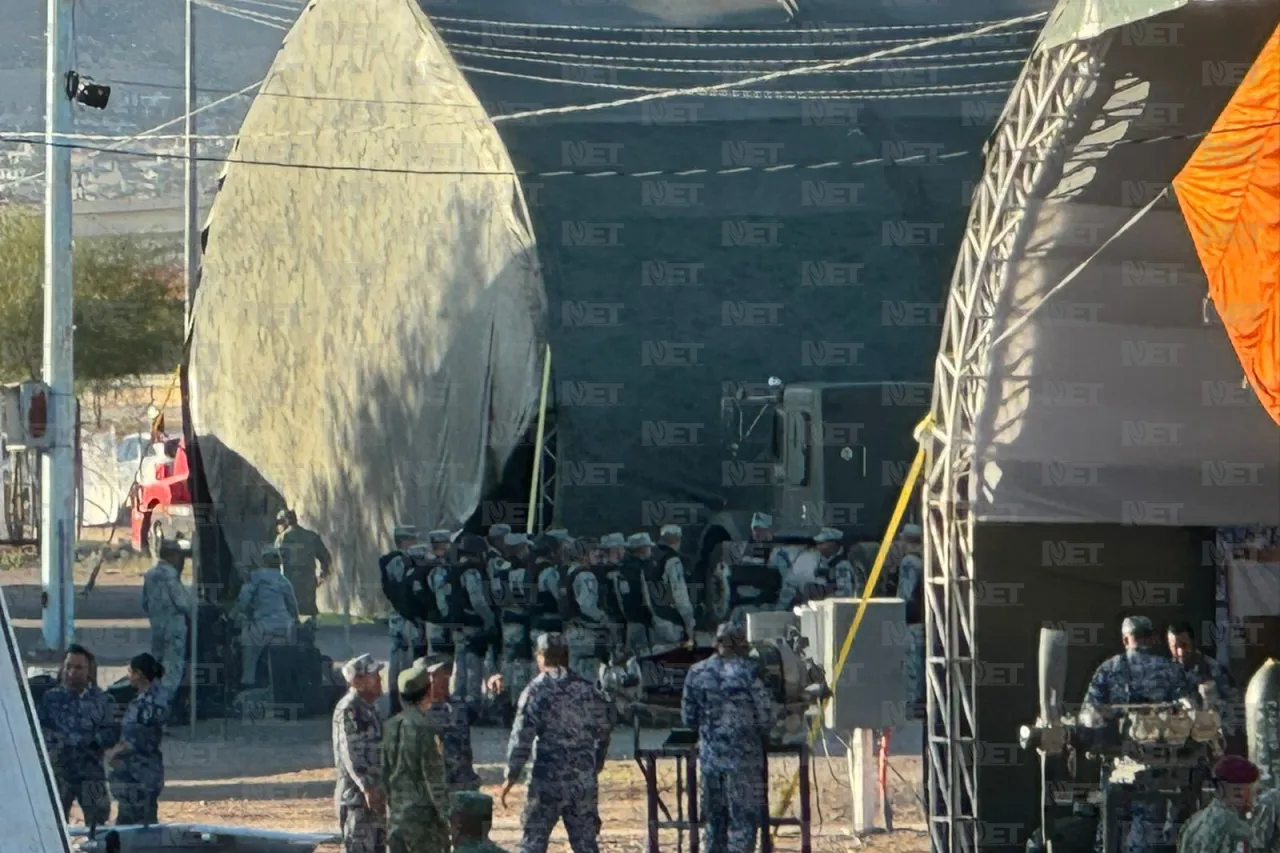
[534, 481]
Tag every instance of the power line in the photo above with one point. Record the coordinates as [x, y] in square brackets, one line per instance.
[247, 15]
[576, 58]
[829, 164]
[608, 173]
[720, 45]
[694, 30]
[774, 75]
[141, 84]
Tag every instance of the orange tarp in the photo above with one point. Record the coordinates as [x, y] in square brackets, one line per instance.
[1229, 193]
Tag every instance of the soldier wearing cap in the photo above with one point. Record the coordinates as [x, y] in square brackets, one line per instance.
[307, 561]
[675, 623]
[635, 573]
[1138, 676]
[413, 765]
[267, 612]
[472, 818]
[357, 734]
[513, 595]
[470, 610]
[590, 609]
[569, 721]
[408, 637]
[1221, 826]
[729, 707]
[169, 607]
[496, 540]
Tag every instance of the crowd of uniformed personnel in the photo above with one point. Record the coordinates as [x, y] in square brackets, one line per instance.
[485, 601]
[407, 784]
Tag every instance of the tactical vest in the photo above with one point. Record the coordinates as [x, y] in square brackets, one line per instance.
[393, 589]
[512, 592]
[633, 574]
[546, 608]
[569, 609]
[823, 584]
[409, 595]
[458, 602]
[661, 595]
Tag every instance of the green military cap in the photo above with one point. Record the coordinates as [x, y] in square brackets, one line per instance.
[473, 804]
[414, 679]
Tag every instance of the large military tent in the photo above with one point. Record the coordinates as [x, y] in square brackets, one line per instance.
[690, 245]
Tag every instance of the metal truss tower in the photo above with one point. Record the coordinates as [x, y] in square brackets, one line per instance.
[1026, 139]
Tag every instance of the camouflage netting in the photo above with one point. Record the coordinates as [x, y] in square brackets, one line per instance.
[365, 342]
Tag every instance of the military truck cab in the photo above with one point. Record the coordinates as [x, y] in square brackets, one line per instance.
[815, 454]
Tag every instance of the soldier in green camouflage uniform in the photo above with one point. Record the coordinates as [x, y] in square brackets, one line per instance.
[472, 817]
[302, 550]
[1220, 827]
[412, 763]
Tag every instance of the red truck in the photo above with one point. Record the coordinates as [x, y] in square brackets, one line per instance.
[160, 501]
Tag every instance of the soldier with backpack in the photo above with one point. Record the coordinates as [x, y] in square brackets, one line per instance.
[408, 638]
[589, 606]
[466, 602]
[510, 580]
[634, 574]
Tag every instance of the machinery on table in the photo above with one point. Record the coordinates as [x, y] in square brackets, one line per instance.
[651, 686]
[1149, 753]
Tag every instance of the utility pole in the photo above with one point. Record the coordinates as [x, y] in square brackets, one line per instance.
[191, 243]
[57, 492]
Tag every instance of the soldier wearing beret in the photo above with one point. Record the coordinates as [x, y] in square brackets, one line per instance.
[1220, 827]
[413, 768]
[472, 817]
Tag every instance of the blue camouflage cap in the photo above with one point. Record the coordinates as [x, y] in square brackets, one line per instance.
[498, 530]
[1136, 626]
[613, 540]
[560, 534]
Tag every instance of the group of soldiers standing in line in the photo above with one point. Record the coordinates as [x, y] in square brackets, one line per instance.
[477, 598]
[489, 599]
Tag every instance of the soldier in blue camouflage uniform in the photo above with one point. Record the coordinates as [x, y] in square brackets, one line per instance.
[78, 721]
[728, 706]
[357, 734]
[570, 722]
[169, 607]
[1137, 676]
[137, 766]
[470, 610]
[1202, 669]
[407, 638]
[267, 612]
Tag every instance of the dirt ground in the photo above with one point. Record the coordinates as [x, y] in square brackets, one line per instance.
[279, 775]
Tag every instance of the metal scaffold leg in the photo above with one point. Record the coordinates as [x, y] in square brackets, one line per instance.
[1052, 83]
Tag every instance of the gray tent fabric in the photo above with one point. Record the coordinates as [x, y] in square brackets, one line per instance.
[701, 244]
[366, 341]
[1121, 400]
